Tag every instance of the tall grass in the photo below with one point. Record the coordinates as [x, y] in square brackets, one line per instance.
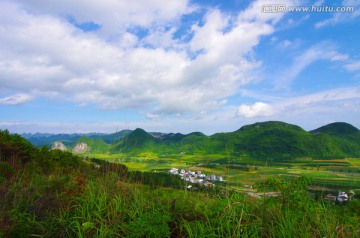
[85, 203]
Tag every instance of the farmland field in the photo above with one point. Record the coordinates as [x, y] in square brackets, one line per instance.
[354, 161]
[338, 173]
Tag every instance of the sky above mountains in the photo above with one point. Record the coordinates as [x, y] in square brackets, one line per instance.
[177, 65]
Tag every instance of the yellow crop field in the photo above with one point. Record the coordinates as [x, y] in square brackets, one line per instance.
[331, 161]
[354, 161]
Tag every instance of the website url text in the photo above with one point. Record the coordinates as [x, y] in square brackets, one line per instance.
[280, 8]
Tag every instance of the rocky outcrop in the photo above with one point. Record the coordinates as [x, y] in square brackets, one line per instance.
[59, 146]
[81, 148]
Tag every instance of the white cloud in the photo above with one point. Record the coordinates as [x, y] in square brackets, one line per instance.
[285, 44]
[40, 51]
[354, 66]
[259, 109]
[160, 37]
[340, 17]
[335, 100]
[328, 96]
[16, 99]
[319, 3]
[321, 51]
[256, 11]
[309, 111]
[112, 15]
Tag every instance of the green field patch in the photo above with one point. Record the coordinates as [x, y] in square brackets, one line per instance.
[331, 161]
[237, 171]
[354, 161]
[327, 164]
[302, 160]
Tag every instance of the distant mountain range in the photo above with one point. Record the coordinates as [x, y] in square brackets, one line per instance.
[41, 139]
[272, 140]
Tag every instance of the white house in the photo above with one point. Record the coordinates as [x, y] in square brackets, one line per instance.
[342, 197]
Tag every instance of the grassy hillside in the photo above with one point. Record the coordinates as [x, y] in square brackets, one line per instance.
[112, 138]
[51, 193]
[343, 135]
[277, 141]
[282, 141]
[97, 145]
[272, 141]
[337, 129]
[137, 141]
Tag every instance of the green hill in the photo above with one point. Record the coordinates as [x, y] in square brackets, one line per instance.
[97, 145]
[271, 140]
[137, 141]
[172, 138]
[343, 135]
[282, 141]
[277, 141]
[271, 125]
[266, 140]
[337, 129]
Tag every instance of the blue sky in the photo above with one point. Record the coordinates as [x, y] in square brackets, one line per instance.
[180, 66]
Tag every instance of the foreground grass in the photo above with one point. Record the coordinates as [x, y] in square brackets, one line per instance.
[83, 202]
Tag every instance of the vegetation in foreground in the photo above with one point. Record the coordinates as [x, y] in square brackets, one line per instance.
[53, 193]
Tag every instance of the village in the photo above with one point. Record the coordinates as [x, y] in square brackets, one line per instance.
[341, 197]
[196, 177]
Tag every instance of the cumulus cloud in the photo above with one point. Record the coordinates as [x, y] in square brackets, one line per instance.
[113, 16]
[114, 67]
[258, 109]
[340, 101]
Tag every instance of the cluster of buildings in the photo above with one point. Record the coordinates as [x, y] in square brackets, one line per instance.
[195, 177]
[341, 197]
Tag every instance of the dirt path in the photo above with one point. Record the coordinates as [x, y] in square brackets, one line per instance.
[260, 195]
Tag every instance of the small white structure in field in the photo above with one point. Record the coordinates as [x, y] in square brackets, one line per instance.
[174, 171]
[220, 179]
[213, 177]
[342, 197]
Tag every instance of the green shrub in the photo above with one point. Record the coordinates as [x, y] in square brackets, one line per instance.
[6, 171]
[150, 224]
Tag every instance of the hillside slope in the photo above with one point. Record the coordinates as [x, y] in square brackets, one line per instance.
[271, 140]
[138, 140]
[97, 145]
[337, 129]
